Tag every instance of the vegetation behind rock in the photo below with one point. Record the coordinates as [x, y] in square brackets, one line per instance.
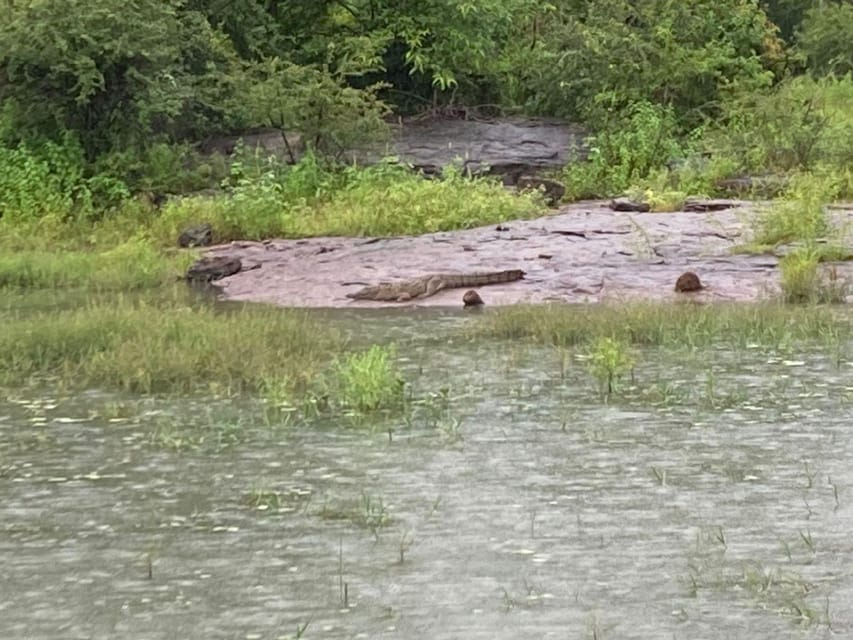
[105, 107]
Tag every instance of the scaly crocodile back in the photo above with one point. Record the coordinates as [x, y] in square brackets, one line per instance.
[430, 284]
[479, 279]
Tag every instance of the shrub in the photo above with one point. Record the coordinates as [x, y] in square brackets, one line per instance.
[801, 214]
[35, 184]
[824, 38]
[162, 168]
[683, 55]
[799, 125]
[646, 138]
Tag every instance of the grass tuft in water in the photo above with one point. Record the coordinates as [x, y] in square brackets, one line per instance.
[609, 360]
[134, 264]
[263, 499]
[371, 512]
[166, 346]
[368, 381]
[769, 325]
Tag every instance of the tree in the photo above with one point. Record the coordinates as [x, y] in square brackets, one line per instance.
[596, 59]
[824, 38]
[112, 72]
[787, 15]
[317, 103]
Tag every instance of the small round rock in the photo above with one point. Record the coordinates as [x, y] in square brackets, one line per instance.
[688, 282]
[472, 299]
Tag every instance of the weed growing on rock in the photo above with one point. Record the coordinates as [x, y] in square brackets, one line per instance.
[800, 277]
[802, 280]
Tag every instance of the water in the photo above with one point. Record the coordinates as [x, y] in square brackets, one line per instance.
[712, 498]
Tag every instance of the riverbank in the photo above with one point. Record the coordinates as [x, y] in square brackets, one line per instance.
[584, 252]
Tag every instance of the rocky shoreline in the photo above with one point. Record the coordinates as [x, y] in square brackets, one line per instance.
[583, 252]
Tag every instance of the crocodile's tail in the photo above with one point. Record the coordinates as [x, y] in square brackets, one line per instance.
[493, 277]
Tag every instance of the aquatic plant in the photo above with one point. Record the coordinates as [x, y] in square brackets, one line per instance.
[369, 512]
[646, 323]
[165, 345]
[263, 499]
[368, 380]
[609, 360]
[133, 264]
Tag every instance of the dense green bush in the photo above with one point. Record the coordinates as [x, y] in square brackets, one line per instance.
[49, 180]
[163, 168]
[629, 150]
[596, 58]
[824, 37]
[112, 72]
[802, 123]
[102, 100]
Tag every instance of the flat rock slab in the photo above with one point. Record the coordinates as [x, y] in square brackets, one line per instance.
[583, 253]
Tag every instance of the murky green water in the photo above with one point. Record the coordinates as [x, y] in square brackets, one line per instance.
[713, 498]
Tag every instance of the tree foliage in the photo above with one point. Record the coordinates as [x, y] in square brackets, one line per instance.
[825, 36]
[787, 15]
[111, 71]
[115, 77]
[603, 56]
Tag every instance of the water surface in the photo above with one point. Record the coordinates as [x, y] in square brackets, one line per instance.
[710, 498]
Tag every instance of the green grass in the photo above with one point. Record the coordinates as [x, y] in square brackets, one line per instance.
[376, 201]
[801, 219]
[128, 266]
[799, 216]
[769, 325]
[368, 381]
[133, 245]
[164, 347]
[802, 280]
[609, 360]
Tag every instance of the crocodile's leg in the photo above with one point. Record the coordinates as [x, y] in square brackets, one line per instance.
[433, 286]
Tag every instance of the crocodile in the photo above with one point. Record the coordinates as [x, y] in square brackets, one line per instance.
[430, 284]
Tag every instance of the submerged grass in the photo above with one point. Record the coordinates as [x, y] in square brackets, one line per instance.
[164, 347]
[369, 381]
[770, 325]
